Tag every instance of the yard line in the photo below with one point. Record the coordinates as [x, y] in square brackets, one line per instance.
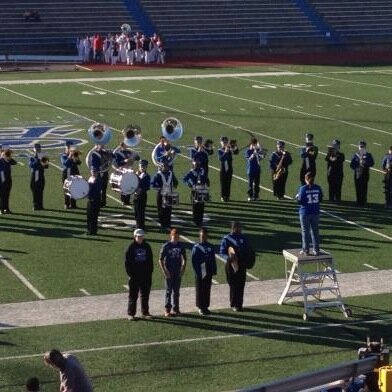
[215, 281]
[319, 116]
[261, 332]
[130, 78]
[22, 278]
[125, 287]
[190, 114]
[85, 292]
[371, 267]
[320, 93]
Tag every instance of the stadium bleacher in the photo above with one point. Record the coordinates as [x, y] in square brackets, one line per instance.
[61, 22]
[357, 21]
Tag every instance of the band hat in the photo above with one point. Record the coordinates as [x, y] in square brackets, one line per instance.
[224, 139]
[280, 143]
[138, 233]
[69, 143]
[198, 138]
[143, 162]
[336, 142]
[362, 143]
[309, 136]
[37, 146]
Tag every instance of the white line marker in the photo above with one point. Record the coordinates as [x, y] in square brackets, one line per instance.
[337, 105]
[223, 110]
[21, 278]
[377, 144]
[215, 281]
[122, 114]
[125, 287]
[84, 291]
[243, 109]
[100, 114]
[260, 332]
[83, 67]
[203, 111]
[299, 107]
[319, 106]
[371, 267]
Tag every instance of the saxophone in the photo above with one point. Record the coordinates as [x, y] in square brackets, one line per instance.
[280, 170]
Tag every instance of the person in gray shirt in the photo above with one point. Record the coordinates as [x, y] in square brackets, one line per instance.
[72, 375]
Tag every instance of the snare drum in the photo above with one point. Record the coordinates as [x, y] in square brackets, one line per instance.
[170, 199]
[201, 195]
[124, 181]
[76, 187]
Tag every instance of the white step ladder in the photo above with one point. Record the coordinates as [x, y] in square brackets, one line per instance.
[311, 276]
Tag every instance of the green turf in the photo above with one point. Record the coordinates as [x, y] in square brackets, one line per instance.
[50, 250]
[224, 352]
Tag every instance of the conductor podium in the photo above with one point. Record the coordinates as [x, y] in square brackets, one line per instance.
[310, 277]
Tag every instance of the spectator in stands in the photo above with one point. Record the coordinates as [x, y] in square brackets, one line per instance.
[107, 48]
[32, 385]
[161, 53]
[31, 15]
[87, 49]
[130, 48]
[98, 49]
[146, 47]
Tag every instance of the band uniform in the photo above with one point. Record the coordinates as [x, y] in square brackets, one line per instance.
[361, 162]
[164, 181]
[279, 164]
[70, 163]
[225, 156]
[232, 247]
[124, 158]
[335, 161]
[308, 154]
[140, 195]
[253, 156]
[201, 152]
[196, 179]
[204, 267]
[93, 202]
[37, 180]
[387, 168]
[6, 161]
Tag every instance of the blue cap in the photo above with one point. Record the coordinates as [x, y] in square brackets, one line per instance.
[69, 143]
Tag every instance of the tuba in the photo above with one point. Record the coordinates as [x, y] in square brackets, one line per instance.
[100, 134]
[172, 130]
[132, 135]
[126, 28]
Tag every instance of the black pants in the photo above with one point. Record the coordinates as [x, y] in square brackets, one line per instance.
[236, 281]
[361, 189]
[335, 187]
[5, 190]
[203, 291]
[198, 213]
[105, 180]
[164, 212]
[279, 185]
[125, 199]
[254, 185]
[142, 285]
[139, 207]
[37, 188]
[225, 183]
[93, 207]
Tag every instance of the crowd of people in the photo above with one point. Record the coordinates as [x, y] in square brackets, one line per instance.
[121, 48]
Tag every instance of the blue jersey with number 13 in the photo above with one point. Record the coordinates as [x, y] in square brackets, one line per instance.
[309, 197]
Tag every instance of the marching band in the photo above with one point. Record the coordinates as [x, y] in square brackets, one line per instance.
[129, 182]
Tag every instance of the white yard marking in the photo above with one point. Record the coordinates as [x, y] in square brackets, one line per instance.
[377, 144]
[129, 78]
[83, 67]
[370, 267]
[22, 278]
[158, 91]
[215, 281]
[314, 115]
[125, 287]
[223, 110]
[203, 111]
[85, 292]
[190, 114]
[122, 114]
[129, 91]
[87, 93]
[261, 332]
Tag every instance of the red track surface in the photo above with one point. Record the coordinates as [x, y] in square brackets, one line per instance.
[331, 58]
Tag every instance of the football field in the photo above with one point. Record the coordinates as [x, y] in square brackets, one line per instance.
[47, 256]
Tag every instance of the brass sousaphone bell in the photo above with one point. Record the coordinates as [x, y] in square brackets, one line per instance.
[132, 135]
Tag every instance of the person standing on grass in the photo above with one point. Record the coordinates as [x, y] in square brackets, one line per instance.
[233, 248]
[37, 181]
[204, 266]
[309, 197]
[93, 202]
[139, 265]
[72, 375]
[172, 260]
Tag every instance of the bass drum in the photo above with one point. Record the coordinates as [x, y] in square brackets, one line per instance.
[76, 187]
[124, 181]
